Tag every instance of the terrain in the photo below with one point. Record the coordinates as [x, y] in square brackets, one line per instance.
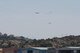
[22, 42]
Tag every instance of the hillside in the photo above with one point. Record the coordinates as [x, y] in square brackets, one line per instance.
[22, 42]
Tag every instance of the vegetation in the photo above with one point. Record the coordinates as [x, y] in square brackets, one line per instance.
[22, 42]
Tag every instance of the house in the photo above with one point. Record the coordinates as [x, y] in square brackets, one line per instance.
[68, 50]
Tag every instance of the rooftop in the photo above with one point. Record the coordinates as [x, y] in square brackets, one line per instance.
[41, 48]
[69, 48]
[73, 47]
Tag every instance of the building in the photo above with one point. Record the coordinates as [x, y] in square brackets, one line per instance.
[37, 50]
[51, 50]
[8, 50]
[21, 50]
[68, 50]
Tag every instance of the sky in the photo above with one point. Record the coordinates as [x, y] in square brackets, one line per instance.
[38, 19]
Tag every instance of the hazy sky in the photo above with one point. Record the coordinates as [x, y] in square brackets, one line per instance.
[54, 18]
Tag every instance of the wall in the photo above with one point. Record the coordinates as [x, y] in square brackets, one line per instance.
[24, 51]
[43, 51]
[9, 50]
[35, 51]
[19, 51]
[51, 50]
